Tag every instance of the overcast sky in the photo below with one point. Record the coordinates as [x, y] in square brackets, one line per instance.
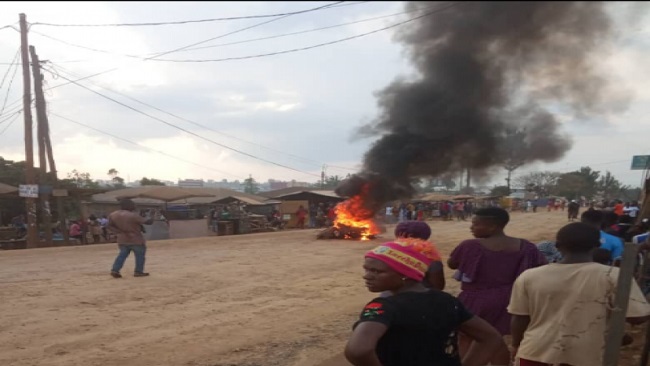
[297, 111]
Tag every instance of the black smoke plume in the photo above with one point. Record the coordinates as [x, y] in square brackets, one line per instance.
[483, 69]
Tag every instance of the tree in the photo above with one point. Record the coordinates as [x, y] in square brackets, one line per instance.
[12, 173]
[513, 152]
[330, 182]
[500, 191]
[583, 182]
[630, 194]
[571, 185]
[118, 182]
[610, 187]
[250, 186]
[542, 183]
[448, 180]
[590, 178]
[150, 182]
[81, 180]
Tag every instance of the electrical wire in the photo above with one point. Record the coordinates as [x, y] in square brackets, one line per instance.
[338, 4]
[13, 63]
[308, 47]
[224, 44]
[187, 131]
[63, 84]
[233, 32]
[143, 146]
[198, 124]
[11, 81]
[81, 78]
[306, 31]
[9, 124]
[86, 47]
[11, 111]
[10, 115]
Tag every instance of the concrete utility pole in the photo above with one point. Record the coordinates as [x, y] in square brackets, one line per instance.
[30, 178]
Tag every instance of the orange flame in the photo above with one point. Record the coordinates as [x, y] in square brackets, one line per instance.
[353, 213]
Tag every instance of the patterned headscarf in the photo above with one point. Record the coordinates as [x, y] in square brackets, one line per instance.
[402, 259]
[550, 251]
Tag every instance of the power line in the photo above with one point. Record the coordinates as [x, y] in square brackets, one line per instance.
[15, 102]
[306, 31]
[80, 78]
[13, 63]
[85, 47]
[10, 115]
[10, 123]
[225, 44]
[190, 21]
[143, 146]
[237, 31]
[310, 47]
[198, 124]
[11, 81]
[187, 131]
[11, 111]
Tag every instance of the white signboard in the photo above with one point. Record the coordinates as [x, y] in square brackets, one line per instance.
[28, 190]
[60, 192]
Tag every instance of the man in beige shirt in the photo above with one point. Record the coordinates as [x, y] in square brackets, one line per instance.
[127, 225]
[560, 311]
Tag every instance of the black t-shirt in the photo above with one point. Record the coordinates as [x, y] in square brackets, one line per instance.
[422, 328]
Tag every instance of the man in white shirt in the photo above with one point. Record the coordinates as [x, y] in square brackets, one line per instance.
[631, 210]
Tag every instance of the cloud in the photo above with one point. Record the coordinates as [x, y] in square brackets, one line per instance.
[297, 109]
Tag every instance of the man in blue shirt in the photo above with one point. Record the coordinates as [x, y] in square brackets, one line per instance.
[610, 242]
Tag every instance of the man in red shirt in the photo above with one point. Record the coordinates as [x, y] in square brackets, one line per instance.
[301, 214]
[619, 208]
[127, 225]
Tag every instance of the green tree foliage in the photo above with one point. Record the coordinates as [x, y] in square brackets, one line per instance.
[250, 186]
[151, 182]
[118, 182]
[542, 183]
[81, 180]
[500, 191]
[610, 187]
[583, 182]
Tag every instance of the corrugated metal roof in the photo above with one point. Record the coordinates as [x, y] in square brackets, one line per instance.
[5, 188]
[213, 194]
[314, 192]
[284, 191]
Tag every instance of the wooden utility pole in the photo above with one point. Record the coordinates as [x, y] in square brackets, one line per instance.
[41, 118]
[30, 178]
[616, 324]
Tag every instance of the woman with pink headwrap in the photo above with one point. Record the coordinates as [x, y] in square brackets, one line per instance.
[414, 326]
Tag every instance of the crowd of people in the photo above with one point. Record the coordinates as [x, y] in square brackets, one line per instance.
[552, 299]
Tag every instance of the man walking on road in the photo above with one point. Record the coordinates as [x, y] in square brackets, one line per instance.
[127, 225]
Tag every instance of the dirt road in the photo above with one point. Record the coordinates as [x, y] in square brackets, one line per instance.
[252, 300]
